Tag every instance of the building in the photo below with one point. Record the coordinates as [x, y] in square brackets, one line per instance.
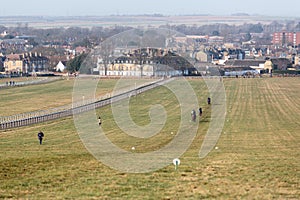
[61, 66]
[216, 40]
[202, 56]
[286, 38]
[243, 67]
[268, 66]
[146, 62]
[13, 63]
[80, 50]
[200, 39]
[26, 63]
[124, 66]
[281, 63]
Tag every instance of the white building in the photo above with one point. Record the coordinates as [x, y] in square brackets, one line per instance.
[60, 67]
[134, 68]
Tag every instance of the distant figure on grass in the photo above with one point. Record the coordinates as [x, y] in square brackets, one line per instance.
[99, 121]
[208, 100]
[40, 136]
[193, 115]
[200, 112]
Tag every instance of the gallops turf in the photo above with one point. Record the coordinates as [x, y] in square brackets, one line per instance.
[15, 100]
[257, 157]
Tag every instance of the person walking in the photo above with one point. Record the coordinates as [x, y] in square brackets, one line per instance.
[193, 115]
[208, 100]
[200, 112]
[99, 121]
[40, 136]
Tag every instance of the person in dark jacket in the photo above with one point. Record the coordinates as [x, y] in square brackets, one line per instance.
[99, 121]
[40, 136]
[200, 112]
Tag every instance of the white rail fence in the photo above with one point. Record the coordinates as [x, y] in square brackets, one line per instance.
[24, 119]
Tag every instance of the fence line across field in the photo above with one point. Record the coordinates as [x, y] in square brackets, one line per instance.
[30, 118]
[28, 82]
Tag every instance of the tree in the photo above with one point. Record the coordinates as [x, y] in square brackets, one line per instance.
[8, 37]
[247, 37]
[32, 42]
[84, 43]
[105, 52]
[74, 64]
[297, 27]
[215, 33]
[256, 28]
[2, 69]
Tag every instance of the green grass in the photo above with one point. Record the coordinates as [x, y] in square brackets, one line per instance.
[18, 79]
[258, 155]
[15, 100]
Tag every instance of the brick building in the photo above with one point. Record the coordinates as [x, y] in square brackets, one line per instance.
[286, 38]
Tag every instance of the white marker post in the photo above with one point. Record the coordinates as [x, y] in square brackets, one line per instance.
[176, 162]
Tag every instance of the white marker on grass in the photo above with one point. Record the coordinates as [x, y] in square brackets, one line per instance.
[176, 162]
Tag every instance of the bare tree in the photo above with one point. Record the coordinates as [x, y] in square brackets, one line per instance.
[106, 52]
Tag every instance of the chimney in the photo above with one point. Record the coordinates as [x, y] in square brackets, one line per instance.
[30, 54]
[40, 54]
[35, 54]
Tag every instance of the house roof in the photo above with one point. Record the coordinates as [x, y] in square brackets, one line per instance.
[228, 68]
[172, 60]
[80, 49]
[243, 63]
[30, 57]
[13, 41]
[280, 60]
[13, 57]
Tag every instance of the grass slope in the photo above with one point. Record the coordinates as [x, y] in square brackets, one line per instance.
[258, 155]
[15, 100]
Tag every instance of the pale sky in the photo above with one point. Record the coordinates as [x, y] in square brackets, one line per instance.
[289, 8]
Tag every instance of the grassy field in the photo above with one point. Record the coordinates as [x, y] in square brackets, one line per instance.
[15, 100]
[257, 156]
[16, 80]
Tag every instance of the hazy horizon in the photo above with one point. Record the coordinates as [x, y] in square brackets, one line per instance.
[139, 7]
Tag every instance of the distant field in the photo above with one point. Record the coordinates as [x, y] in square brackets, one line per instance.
[258, 153]
[133, 21]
